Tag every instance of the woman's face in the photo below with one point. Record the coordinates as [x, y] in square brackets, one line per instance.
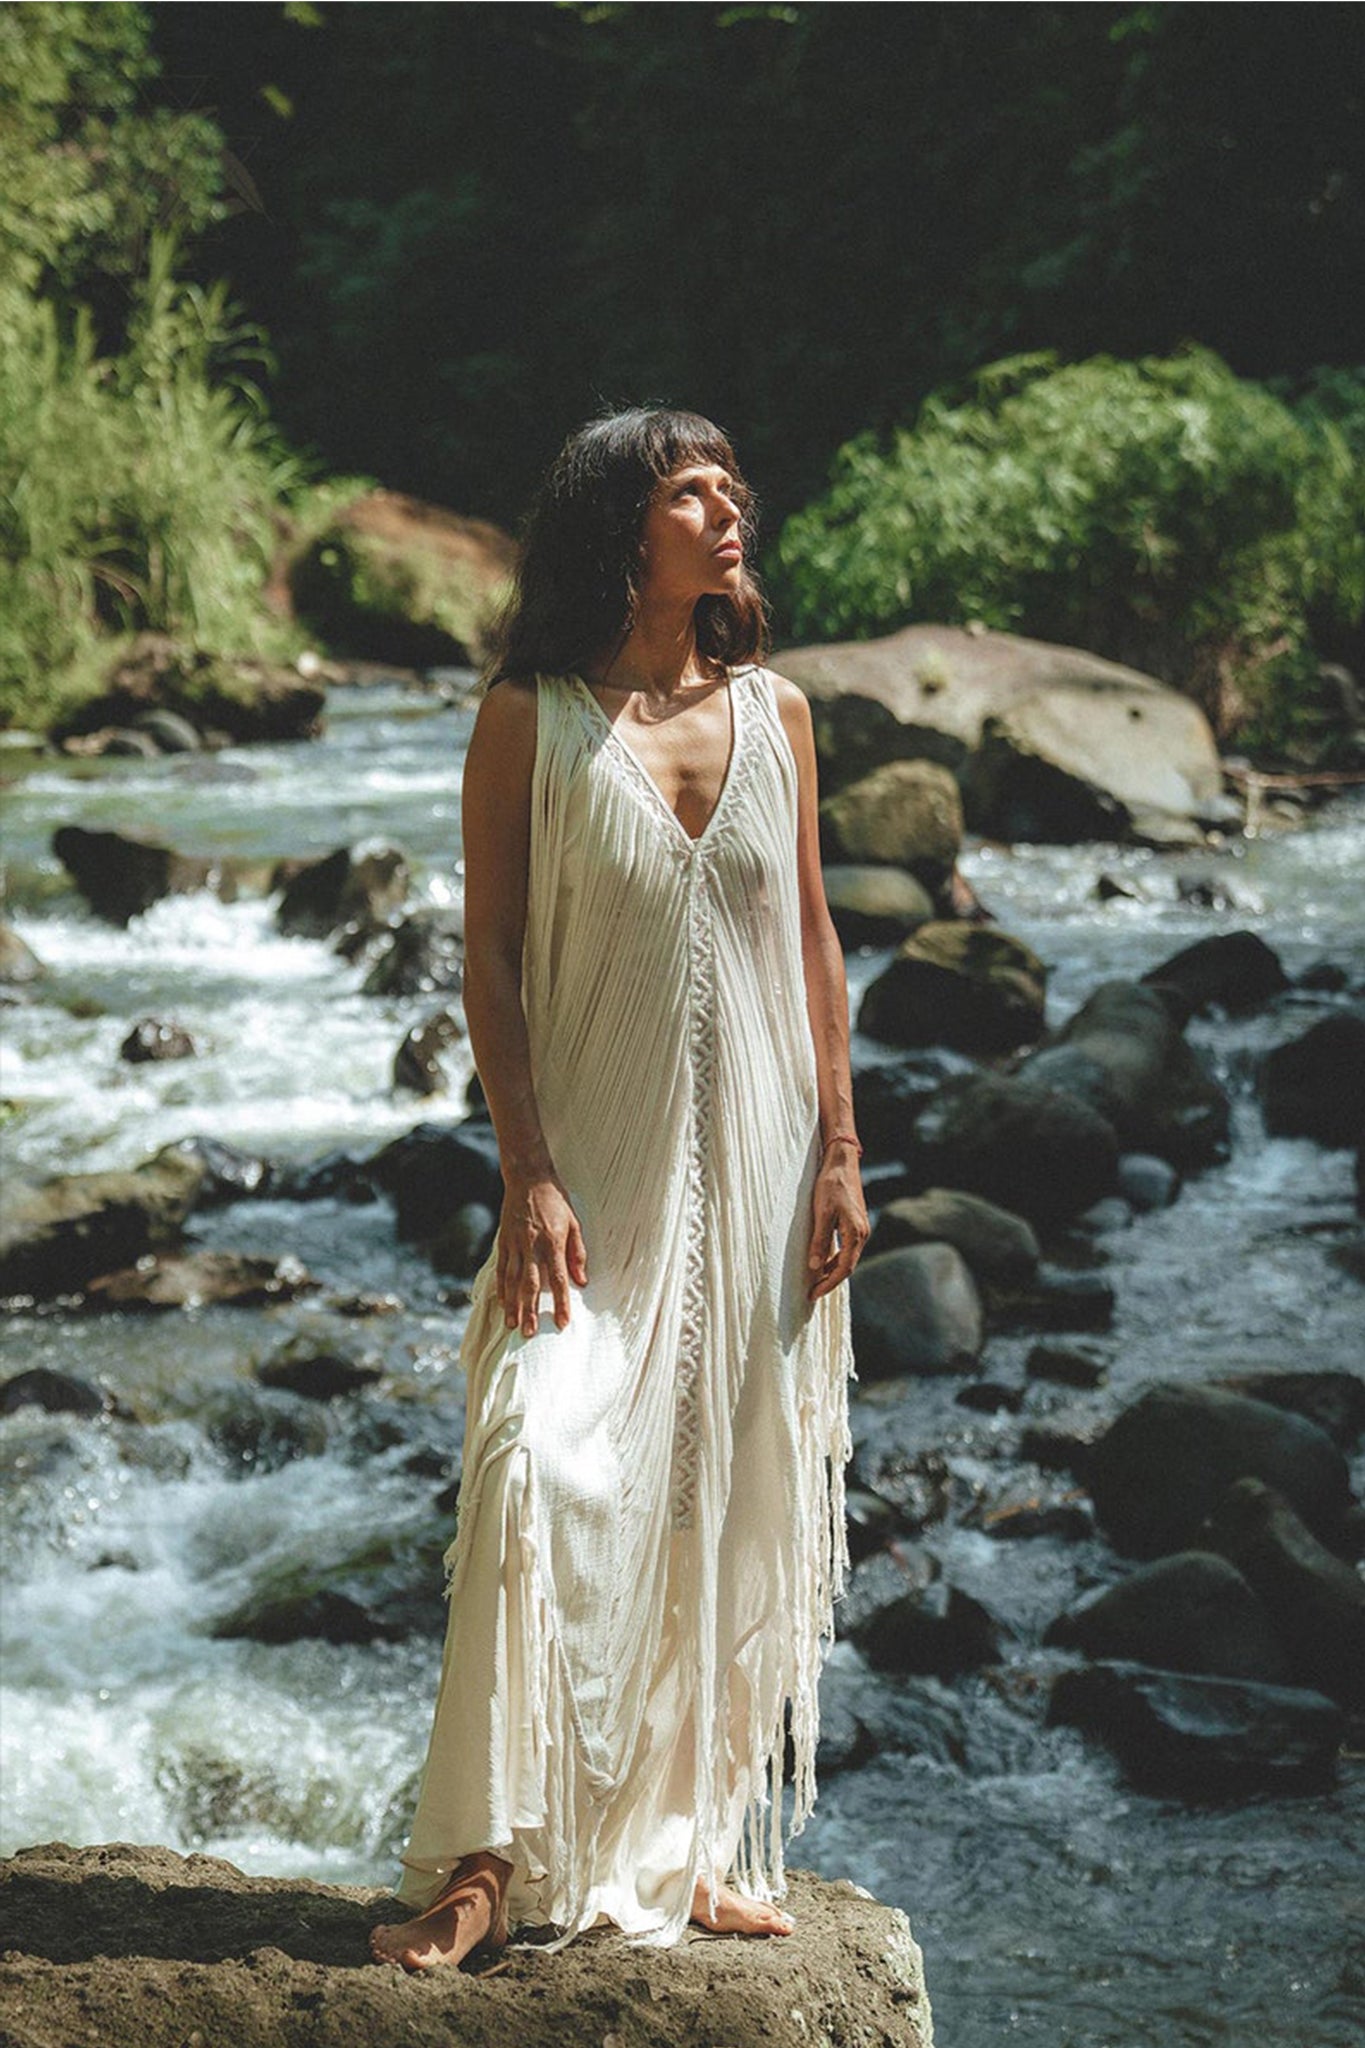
[691, 537]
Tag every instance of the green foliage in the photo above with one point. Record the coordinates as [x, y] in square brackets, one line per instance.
[1164, 512]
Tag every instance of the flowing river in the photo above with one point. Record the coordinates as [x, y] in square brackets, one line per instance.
[1055, 1906]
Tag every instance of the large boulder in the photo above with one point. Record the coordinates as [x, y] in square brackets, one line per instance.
[433, 1169]
[58, 1234]
[1050, 743]
[915, 1311]
[1314, 1087]
[1001, 1249]
[394, 579]
[875, 906]
[1202, 1737]
[197, 1279]
[353, 886]
[967, 986]
[1040, 1152]
[143, 1948]
[1123, 1052]
[223, 697]
[1192, 1611]
[1165, 1463]
[1232, 971]
[1315, 1599]
[906, 814]
[121, 875]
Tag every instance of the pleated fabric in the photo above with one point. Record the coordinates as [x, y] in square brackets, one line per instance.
[650, 1532]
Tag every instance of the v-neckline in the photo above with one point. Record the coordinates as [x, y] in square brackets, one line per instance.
[736, 736]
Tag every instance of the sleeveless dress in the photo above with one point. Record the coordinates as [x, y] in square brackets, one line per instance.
[650, 1530]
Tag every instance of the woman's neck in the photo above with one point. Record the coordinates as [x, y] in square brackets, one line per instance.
[658, 657]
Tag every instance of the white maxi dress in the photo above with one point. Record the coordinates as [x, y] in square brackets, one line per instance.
[650, 1532]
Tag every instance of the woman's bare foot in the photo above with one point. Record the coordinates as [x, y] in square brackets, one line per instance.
[735, 1914]
[467, 1913]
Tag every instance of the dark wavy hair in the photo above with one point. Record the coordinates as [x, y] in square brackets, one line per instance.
[577, 583]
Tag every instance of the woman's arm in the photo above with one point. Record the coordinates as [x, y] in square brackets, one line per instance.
[838, 1208]
[540, 1243]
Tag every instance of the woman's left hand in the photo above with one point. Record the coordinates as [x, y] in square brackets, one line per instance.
[839, 1225]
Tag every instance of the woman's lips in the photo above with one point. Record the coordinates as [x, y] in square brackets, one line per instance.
[729, 551]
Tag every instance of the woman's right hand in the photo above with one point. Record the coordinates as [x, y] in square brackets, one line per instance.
[540, 1245]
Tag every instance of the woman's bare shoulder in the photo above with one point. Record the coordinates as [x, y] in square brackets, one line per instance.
[792, 704]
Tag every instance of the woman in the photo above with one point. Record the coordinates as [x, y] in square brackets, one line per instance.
[650, 1532]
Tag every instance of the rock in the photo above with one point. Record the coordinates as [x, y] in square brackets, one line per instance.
[1113, 1213]
[1008, 1521]
[875, 906]
[1056, 1299]
[915, 1484]
[1316, 1601]
[1062, 1444]
[1335, 1401]
[260, 1429]
[19, 964]
[905, 1621]
[59, 1393]
[1067, 1364]
[394, 579]
[1164, 1464]
[1123, 1053]
[56, 1235]
[1201, 1737]
[961, 985]
[463, 1241]
[915, 1311]
[890, 1095]
[1314, 1087]
[990, 1397]
[199, 1280]
[1324, 977]
[114, 741]
[358, 885]
[151, 1039]
[384, 1589]
[872, 1522]
[1039, 1152]
[101, 1938]
[905, 814]
[422, 955]
[1234, 971]
[245, 700]
[1001, 1249]
[299, 1367]
[1109, 889]
[1204, 892]
[1192, 1611]
[433, 1169]
[1147, 1183]
[227, 1174]
[121, 876]
[171, 733]
[333, 1177]
[417, 1062]
[1050, 742]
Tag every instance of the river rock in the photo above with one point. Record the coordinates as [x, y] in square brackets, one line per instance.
[112, 741]
[171, 733]
[1124, 1054]
[1335, 1401]
[905, 814]
[259, 1429]
[1192, 1611]
[417, 1064]
[300, 1367]
[1234, 971]
[915, 1482]
[383, 1589]
[1049, 742]
[394, 579]
[358, 886]
[19, 964]
[1164, 1464]
[199, 1280]
[1200, 1736]
[1056, 1299]
[909, 1621]
[1068, 1365]
[228, 1174]
[434, 1168]
[1040, 1152]
[962, 985]
[463, 1241]
[1316, 1601]
[238, 697]
[120, 876]
[1001, 1249]
[891, 1093]
[875, 906]
[915, 1311]
[151, 1038]
[423, 954]
[56, 1235]
[60, 1393]
[1314, 1087]
[1147, 1183]
[149, 1948]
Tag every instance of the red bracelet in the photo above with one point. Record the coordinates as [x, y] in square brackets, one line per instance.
[846, 1138]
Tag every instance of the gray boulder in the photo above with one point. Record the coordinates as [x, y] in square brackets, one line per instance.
[1164, 1464]
[1041, 1152]
[915, 1311]
[1000, 1248]
[905, 814]
[358, 886]
[56, 1235]
[1314, 1087]
[1316, 1601]
[967, 986]
[1234, 971]
[875, 906]
[1192, 1611]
